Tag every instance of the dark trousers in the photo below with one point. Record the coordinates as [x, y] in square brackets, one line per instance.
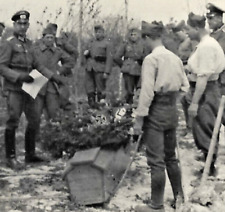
[160, 140]
[130, 83]
[18, 102]
[95, 82]
[161, 156]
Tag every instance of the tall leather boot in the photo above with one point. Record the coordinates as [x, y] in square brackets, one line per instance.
[10, 151]
[174, 175]
[30, 156]
[158, 180]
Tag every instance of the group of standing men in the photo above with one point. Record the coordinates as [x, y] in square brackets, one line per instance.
[162, 76]
[18, 57]
[99, 61]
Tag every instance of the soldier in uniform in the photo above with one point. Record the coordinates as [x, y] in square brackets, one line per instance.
[99, 65]
[16, 62]
[215, 22]
[129, 57]
[163, 77]
[49, 56]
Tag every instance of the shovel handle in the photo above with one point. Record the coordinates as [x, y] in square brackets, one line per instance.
[128, 166]
[213, 141]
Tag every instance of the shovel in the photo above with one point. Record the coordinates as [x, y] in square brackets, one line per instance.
[201, 194]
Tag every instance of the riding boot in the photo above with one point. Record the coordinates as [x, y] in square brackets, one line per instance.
[10, 151]
[30, 156]
[158, 180]
[174, 175]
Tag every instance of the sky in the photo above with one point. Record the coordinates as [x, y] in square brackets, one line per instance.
[147, 10]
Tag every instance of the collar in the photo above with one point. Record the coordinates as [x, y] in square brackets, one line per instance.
[20, 38]
[158, 49]
[205, 37]
[221, 28]
[43, 47]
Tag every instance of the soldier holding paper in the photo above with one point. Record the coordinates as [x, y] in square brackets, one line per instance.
[16, 62]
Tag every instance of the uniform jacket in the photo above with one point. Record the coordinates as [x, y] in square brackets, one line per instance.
[133, 55]
[16, 57]
[50, 58]
[99, 58]
[219, 35]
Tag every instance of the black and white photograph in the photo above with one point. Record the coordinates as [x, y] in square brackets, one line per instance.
[112, 106]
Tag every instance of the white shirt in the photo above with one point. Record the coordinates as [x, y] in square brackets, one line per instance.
[162, 71]
[208, 59]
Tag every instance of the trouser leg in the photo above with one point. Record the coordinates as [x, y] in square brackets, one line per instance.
[10, 143]
[14, 110]
[90, 87]
[154, 141]
[172, 166]
[31, 111]
[100, 86]
[14, 107]
[129, 83]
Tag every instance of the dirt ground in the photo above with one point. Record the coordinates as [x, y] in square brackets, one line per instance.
[41, 188]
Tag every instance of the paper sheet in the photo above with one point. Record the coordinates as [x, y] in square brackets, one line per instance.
[33, 88]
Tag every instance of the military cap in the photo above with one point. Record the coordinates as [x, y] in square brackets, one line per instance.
[133, 29]
[196, 20]
[48, 31]
[214, 9]
[98, 26]
[179, 26]
[53, 26]
[2, 24]
[21, 15]
[154, 29]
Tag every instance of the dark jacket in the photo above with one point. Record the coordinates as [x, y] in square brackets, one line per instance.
[50, 58]
[99, 58]
[129, 57]
[16, 57]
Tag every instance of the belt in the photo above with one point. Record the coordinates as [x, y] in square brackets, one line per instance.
[15, 66]
[100, 59]
[168, 98]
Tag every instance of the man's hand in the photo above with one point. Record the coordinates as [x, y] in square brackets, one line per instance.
[105, 75]
[25, 78]
[59, 80]
[193, 110]
[138, 124]
[86, 52]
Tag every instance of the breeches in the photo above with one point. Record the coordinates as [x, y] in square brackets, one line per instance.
[95, 82]
[18, 102]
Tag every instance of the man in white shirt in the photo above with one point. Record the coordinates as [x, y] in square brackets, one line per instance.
[163, 77]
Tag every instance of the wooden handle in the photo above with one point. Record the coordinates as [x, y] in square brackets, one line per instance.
[128, 166]
[181, 172]
[213, 141]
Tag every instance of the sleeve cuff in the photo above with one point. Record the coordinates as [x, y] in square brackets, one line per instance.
[141, 112]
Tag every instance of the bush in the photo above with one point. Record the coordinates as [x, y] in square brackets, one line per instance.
[79, 132]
